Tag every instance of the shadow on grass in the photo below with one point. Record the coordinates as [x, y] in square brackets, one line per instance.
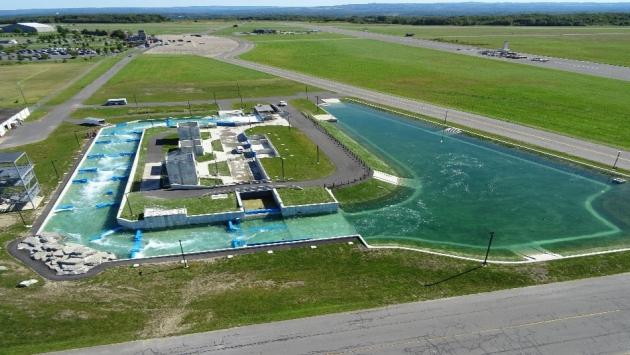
[454, 276]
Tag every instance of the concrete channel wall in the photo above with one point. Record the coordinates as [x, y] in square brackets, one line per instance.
[180, 217]
[309, 209]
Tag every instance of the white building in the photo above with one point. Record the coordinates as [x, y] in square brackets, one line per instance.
[28, 27]
[12, 118]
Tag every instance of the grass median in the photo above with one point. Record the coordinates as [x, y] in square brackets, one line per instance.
[304, 196]
[136, 202]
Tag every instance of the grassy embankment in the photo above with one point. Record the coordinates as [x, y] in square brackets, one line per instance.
[579, 105]
[120, 304]
[194, 205]
[178, 78]
[305, 196]
[299, 154]
[597, 44]
[367, 191]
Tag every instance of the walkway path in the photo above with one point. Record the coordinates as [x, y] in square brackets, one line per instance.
[570, 65]
[572, 146]
[32, 132]
[578, 317]
[347, 167]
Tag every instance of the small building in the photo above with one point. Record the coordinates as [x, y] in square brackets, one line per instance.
[19, 187]
[264, 112]
[182, 168]
[188, 130]
[28, 27]
[8, 42]
[12, 118]
[264, 31]
[140, 37]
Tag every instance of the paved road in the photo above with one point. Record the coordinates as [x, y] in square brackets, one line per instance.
[556, 142]
[571, 65]
[32, 132]
[579, 317]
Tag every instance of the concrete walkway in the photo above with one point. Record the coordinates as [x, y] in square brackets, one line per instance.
[570, 65]
[572, 146]
[32, 132]
[590, 316]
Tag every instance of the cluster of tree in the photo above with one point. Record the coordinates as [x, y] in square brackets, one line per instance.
[100, 18]
[585, 19]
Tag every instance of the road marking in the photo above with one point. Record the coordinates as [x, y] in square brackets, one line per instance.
[480, 332]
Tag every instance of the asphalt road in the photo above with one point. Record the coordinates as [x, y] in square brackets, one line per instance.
[35, 131]
[571, 65]
[578, 317]
[576, 147]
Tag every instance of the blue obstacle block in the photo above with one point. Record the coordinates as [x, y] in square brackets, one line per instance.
[232, 227]
[65, 208]
[109, 192]
[238, 243]
[105, 204]
[88, 170]
[103, 142]
[96, 156]
[80, 181]
[137, 244]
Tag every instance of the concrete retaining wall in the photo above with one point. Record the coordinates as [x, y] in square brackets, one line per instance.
[310, 209]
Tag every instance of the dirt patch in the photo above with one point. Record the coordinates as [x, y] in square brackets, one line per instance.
[205, 46]
[8, 219]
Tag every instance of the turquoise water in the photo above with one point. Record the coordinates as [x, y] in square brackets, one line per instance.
[96, 227]
[461, 188]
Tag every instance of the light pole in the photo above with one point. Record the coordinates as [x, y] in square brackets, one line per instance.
[77, 139]
[21, 92]
[128, 203]
[183, 255]
[485, 260]
[282, 160]
[55, 168]
[617, 160]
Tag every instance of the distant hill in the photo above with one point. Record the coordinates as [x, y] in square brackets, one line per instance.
[449, 9]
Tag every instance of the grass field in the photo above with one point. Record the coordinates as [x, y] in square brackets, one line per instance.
[251, 26]
[367, 191]
[127, 113]
[578, 105]
[37, 80]
[298, 152]
[169, 78]
[171, 27]
[194, 205]
[120, 304]
[598, 44]
[305, 196]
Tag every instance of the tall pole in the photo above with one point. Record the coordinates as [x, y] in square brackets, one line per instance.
[317, 102]
[282, 160]
[485, 260]
[55, 168]
[617, 160]
[445, 117]
[21, 217]
[317, 154]
[189, 108]
[129, 203]
[22, 93]
[306, 90]
[135, 99]
[183, 255]
[216, 166]
[77, 139]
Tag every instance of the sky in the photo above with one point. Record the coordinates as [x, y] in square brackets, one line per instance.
[47, 4]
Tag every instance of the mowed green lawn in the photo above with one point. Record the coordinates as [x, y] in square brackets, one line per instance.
[578, 105]
[598, 44]
[298, 152]
[37, 80]
[167, 78]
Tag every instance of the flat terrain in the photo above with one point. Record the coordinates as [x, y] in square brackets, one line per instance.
[193, 205]
[36, 79]
[533, 320]
[315, 194]
[245, 27]
[123, 304]
[155, 78]
[578, 105]
[202, 45]
[597, 44]
[171, 27]
[301, 160]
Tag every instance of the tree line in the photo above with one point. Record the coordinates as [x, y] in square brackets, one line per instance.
[103, 18]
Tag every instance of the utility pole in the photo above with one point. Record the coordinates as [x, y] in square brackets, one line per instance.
[485, 260]
[21, 217]
[317, 154]
[445, 117]
[306, 90]
[21, 92]
[282, 168]
[617, 160]
[55, 169]
[77, 139]
[183, 255]
[129, 203]
[135, 99]
[189, 108]
[317, 103]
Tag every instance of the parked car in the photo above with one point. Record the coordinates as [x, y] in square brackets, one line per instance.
[282, 103]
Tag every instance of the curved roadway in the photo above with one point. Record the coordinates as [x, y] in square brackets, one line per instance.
[568, 145]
